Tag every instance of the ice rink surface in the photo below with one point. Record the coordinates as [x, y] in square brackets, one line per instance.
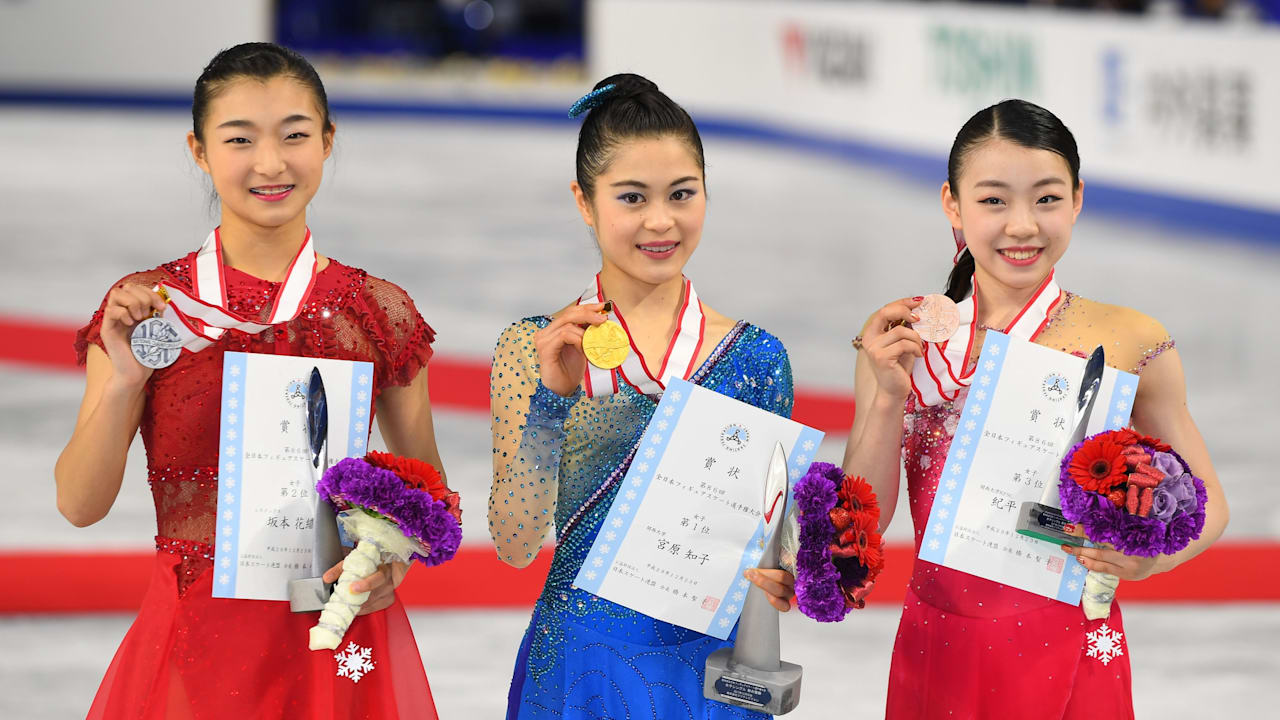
[476, 221]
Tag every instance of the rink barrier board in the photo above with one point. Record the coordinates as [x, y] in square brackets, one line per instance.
[1218, 220]
[80, 582]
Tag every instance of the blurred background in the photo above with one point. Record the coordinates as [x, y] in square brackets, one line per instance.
[826, 126]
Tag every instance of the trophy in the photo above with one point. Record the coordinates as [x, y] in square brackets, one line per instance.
[1044, 520]
[310, 594]
[750, 674]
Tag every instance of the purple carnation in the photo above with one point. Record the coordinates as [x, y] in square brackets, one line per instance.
[818, 592]
[1142, 536]
[1182, 530]
[352, 482]
[814, 495]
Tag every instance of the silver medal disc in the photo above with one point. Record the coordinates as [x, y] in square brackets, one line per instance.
[156, 343]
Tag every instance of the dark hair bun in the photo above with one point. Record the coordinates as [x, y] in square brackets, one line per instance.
[633, 108]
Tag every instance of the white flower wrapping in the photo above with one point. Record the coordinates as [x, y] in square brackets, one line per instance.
[378, 541]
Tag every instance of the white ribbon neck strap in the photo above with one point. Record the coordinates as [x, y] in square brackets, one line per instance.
[679, 359]
[940, 375]
[204, 318]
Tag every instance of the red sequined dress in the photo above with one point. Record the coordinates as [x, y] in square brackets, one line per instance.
[190, 656]
[971, 649]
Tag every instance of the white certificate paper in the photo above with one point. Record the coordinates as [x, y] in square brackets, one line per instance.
[1008, 445]
[687, 520]
[266, 486]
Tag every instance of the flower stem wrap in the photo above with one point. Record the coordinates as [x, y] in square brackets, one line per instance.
[380, 541]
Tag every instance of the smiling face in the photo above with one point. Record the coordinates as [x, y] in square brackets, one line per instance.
[647, 208]
[1016, 206]
[264, 147]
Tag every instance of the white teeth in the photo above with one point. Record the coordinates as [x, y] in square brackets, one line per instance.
[656, 248]
[1019, 254]
[273, 191]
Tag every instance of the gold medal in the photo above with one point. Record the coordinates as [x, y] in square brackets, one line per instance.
[606, 345]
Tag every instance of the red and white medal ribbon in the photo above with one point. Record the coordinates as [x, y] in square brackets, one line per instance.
[679, 359]
[204, 317]
[940, 375]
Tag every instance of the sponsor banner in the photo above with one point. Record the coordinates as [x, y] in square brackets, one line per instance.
[1165, 106]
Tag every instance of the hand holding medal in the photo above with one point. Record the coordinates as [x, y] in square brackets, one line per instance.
[893, 346]
[606, 345]
[127, 309]
[562, 347]
[156, 342]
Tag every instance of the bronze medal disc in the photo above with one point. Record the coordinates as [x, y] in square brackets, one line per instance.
[939, 319]
[606, 345]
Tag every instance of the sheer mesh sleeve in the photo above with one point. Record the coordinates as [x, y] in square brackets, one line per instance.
[528, 430]
[401, 334]
[91, 334]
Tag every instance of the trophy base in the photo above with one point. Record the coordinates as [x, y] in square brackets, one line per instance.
[1047, 523]
[775, 692]
[309, 594]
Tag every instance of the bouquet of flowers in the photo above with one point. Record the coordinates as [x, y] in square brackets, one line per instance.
[395, 508]
[830, 542]
[1132, 492]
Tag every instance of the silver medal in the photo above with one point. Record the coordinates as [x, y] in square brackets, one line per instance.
[156, 343]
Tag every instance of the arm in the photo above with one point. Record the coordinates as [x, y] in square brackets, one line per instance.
[1160, 410]
[404, 419]
[533, 385]
[882, 381]
[89, 470]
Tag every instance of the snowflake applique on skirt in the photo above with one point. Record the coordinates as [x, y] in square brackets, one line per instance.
[354, 661]
[1105, 644]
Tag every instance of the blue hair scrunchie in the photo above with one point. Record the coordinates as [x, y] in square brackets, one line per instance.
[591, 100]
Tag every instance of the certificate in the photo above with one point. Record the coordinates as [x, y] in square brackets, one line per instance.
[688, 520]
[1009, 444]
[266, 484]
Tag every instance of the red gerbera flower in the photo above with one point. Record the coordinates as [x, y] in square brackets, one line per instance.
[1098, 465]
[856, 496]
[415, 473]
[860, 540]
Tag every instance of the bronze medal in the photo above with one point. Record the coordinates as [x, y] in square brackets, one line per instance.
[939, 319]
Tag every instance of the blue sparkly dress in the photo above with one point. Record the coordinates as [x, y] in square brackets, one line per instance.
[562, 459]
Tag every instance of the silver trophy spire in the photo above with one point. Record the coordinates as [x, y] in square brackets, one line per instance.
[751, 674]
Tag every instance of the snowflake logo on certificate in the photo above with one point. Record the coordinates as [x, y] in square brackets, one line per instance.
[354, 662]
[1105, 644]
